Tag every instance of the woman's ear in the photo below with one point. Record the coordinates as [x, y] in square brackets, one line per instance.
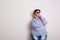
[35, 15]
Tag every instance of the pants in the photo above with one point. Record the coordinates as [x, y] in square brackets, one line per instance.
[39, 37]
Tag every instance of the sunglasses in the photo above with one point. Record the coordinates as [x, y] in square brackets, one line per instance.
[37, 12]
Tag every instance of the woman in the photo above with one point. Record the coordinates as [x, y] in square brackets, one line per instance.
[38, 26]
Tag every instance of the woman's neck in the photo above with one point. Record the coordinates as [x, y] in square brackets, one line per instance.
[37, 17]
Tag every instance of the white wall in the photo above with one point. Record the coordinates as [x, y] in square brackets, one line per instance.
[15, 18]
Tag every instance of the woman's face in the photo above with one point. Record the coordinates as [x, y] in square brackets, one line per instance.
[37, 13]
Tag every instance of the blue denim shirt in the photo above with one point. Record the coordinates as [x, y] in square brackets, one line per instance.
[38, 26]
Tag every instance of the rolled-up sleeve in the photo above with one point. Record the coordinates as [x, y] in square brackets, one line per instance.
[44, 20]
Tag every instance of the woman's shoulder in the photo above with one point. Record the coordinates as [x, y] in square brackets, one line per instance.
[33, 18]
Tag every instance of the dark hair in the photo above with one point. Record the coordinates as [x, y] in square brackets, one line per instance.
[36, 10]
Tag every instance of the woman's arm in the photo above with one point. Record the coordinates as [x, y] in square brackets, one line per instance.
[44, 21]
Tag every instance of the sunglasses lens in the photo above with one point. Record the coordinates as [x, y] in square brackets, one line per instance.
[37, 12]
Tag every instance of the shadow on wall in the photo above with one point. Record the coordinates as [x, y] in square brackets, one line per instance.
[29, 29]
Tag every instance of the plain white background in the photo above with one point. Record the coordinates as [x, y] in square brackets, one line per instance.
[16, 15]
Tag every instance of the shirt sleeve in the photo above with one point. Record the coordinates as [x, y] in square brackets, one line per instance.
[44, 20]
[34, 23]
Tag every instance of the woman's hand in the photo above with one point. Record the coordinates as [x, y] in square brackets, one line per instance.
[40, 16]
